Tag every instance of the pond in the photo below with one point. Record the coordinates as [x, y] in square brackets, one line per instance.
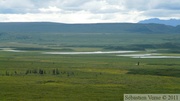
[122, 53]
[96, 52]
[11, 50]
[153, 55]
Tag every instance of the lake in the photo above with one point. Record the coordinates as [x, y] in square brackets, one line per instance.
[96, 52]
[153, 55]
[11, 50]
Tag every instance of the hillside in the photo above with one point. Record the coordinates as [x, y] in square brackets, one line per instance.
[87, 28]
[108, 36]
[171, 22]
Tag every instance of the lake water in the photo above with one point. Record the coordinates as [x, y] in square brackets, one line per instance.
[154, 55]
[11, 50]
[96, 52]
[122, 53]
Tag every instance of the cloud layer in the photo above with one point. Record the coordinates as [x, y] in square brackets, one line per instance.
[87, 11]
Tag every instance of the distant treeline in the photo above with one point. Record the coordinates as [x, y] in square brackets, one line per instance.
[175, 47]
[37, 72]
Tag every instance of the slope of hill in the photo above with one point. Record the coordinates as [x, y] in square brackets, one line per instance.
[87, 28]
[171, 22]
[108, 36]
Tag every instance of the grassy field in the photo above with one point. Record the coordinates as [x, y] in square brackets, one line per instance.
[105, 41]
[32, 76]
[29, 75]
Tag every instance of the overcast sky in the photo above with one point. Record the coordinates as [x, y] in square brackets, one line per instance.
[87, 11]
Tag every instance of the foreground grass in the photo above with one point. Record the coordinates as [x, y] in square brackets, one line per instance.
[84, 77]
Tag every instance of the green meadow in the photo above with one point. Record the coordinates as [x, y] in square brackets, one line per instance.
[30, 75]
[33, 76]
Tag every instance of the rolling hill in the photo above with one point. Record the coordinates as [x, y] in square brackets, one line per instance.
[108, 36]
[171, 22]
[87, 28]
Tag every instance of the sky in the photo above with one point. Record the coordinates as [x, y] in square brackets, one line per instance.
[87, 11]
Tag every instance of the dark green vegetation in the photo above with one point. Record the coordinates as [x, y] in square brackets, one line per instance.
[114, 36]
[33, 76]
[23, 27]
[105, 41]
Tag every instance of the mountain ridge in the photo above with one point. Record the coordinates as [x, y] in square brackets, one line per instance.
[171, 22]
[87, 28]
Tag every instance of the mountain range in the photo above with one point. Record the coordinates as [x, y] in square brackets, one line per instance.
[87, 28]
[171, 22]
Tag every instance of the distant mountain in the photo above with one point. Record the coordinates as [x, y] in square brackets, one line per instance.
[46, 27]
[171, 22]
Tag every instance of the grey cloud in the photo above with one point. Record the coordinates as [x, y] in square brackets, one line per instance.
[145, 5]
[137, 4]
[66, 5]
[102, 9]
[154, 8]
[16, 6]
[161, 13]
[94, 6]
[171, 5]
[7, 11]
